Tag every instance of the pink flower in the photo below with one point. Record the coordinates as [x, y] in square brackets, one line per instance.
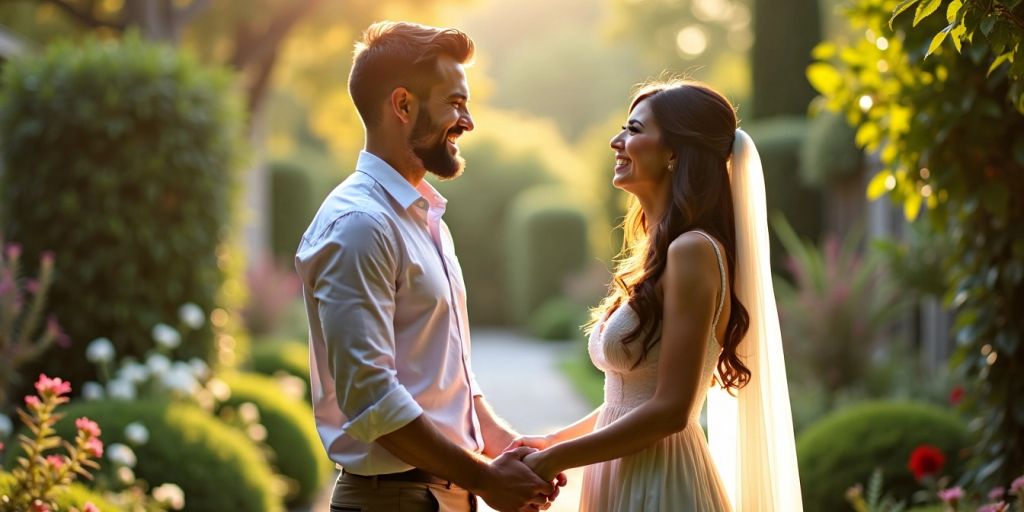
[996, 493]
[89, 507]
[56, 461]
[13, 251]
[46, 258]
[89, 427]
[54, 387]
[1017, 485]
[38, 506]
[32, 401]
[994, 507]
[956, 395]
[951, 495]
[95, 447]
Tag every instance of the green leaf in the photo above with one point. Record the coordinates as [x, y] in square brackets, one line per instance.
[925, 9]
[958, 36]
[912, 206]
[987, 23]
[937, 40]
[999, 61]
[824, 78]
[900, 9]
[877, 188]
[953, 10]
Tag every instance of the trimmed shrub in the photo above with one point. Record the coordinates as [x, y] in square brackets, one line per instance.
[76, 496]
[781, 54]
[558, 319]
[546, 241]
[120, 157]
[216, 466]
[778, 142]
[845, 447]
[291, 208]
[829, 151]
[291, 433]
[288, 356]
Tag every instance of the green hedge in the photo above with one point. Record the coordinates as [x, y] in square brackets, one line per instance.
[283, 355]
[845, 447]
[558, 318]
[292, 206]
[546, 241]
[120, 157]
[77, 495]
[217, 467]
[291, 433]
[779, 141]
[829, 151]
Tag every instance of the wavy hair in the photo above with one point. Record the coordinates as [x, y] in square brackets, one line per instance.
[699, 125]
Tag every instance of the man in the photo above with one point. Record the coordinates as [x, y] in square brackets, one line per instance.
[395, 400]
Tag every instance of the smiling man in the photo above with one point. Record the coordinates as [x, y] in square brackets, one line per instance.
[395, 399]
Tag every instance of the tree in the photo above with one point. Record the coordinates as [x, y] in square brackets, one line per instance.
[785, 32]
[947, 120]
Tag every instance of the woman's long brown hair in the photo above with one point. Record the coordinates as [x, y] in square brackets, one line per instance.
[699, 125]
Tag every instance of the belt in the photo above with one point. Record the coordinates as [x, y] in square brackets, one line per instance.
[413, 475]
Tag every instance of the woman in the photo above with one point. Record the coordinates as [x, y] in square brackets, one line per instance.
[691, 308]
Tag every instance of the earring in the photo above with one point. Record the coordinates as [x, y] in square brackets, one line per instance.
[671, 168]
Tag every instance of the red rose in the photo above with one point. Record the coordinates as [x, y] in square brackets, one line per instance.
[956, 395]
[926, 460]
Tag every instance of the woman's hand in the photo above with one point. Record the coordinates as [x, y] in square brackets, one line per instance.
[538, 442]
[540, 463]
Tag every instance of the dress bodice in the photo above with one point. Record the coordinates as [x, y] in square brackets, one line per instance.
[629, 386]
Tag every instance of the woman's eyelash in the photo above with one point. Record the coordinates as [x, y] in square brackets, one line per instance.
[630, 128]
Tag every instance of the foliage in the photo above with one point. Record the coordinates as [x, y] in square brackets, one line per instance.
[585, 377]
[76, 495]
[273, 288]
[290, 433]
[292, 206]
[124, 160]
[39, 476]
[546, 241]
[962, 157]
[781, 51]
[20, 339]
[271, 357]
[778, 143]
[837, 307]
[216, 466]
[846, 446]
[916, 260]
[558, 318]
[874, 501]
[829, 152]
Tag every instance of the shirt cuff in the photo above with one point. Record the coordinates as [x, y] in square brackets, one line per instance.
[392, 412]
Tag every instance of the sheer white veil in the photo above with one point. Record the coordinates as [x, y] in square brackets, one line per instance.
[751, 434]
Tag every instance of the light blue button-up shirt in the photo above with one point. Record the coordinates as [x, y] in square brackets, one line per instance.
[388, 331]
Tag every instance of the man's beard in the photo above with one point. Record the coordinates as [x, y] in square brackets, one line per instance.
[435, 155]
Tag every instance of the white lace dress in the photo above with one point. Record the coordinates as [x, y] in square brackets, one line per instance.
[676, 474]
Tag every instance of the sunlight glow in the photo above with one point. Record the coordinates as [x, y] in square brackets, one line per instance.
[692, 41]
[882, 43]
[866, 103]
[890, 182]
[710, 10]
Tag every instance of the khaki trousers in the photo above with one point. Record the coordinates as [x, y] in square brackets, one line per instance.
[355, 494]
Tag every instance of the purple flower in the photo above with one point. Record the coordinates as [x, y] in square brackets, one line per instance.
[951, 495]
[1017, 485]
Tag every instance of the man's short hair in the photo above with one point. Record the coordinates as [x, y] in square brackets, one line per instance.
[400, 54]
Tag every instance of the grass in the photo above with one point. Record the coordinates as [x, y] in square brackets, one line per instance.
[587, 380]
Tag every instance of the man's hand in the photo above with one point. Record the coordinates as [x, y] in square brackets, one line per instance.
[510, 486]
[538, 442]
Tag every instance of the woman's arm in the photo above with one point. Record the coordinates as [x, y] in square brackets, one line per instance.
[584, 425]
[691, 285]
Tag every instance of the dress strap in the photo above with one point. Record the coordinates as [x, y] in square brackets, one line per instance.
[721, 275]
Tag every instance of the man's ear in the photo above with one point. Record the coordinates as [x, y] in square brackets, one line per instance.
[402, 103]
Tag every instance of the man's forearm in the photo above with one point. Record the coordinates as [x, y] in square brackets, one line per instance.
[421, 445]
[496, 432]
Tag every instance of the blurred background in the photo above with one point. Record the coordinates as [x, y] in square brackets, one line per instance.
[161, 158]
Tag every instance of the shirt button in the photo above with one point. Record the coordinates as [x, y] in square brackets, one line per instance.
[422, 203]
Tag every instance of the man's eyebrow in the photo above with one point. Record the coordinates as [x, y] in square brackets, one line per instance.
[458, 96]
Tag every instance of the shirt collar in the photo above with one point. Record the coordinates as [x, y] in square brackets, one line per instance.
[396, 185]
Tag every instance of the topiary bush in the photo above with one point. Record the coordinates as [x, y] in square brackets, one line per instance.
[120, 157]
[291, 208]
[546, 241]
[778, 141]
[76, 496]
[844, 448]
[291, 433]
[284, 355]
[829, 151]
[216, 466]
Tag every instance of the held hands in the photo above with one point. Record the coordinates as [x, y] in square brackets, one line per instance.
[537, 461]
[512, 486]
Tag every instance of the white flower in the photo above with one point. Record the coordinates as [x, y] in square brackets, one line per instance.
[158, 364]
[133, 372]
[170, 495]
[291, 385]
[100, 350]
[220, 389]
[120, 389]
[136, 433]
[121, 455]
[199, 368]
[92, 390]
[166, 336]
[191, 315]
[180, 379]
[249, 413]
[6, 427]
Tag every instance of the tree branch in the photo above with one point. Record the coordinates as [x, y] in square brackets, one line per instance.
[248, 51]
[83, 17]
[189, 12]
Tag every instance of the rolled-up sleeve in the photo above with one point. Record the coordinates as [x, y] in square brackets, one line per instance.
[352, 272]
